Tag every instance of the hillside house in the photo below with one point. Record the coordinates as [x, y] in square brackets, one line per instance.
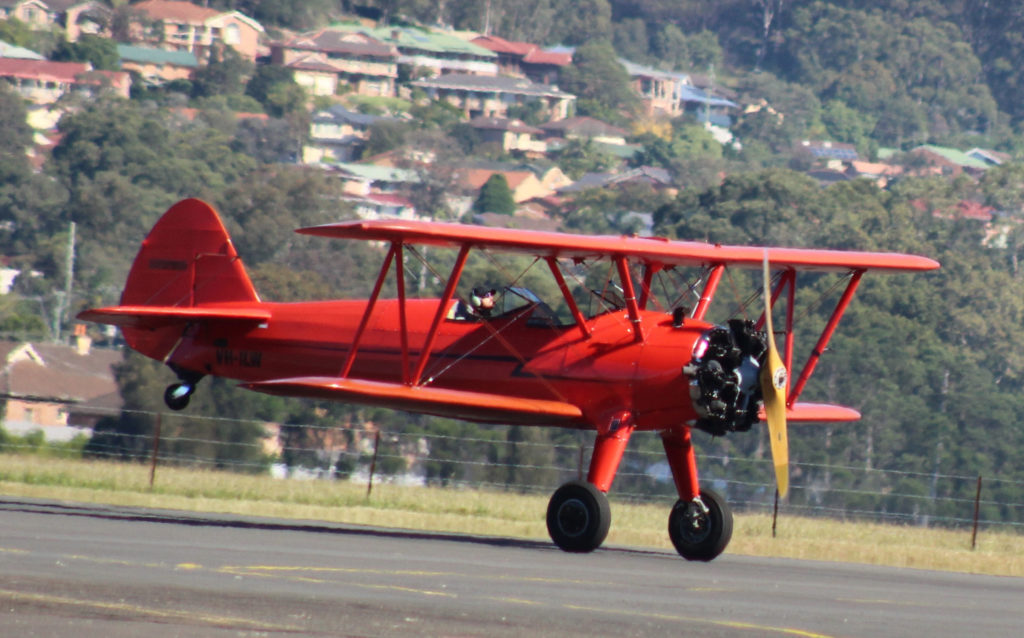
[157, 66]
[337, 135]
[583, 127]
[33, 13]
[45, 82]
[324, 60]
[59, 389]
[525, 59]
[183, 26]
[364, 179]
[78, 17]
[490, 96]
[950, 161]
[658, 90]
[511, 136]
[525, 183]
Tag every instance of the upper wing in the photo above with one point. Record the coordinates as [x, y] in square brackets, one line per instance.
[459, 404]
[654, 250]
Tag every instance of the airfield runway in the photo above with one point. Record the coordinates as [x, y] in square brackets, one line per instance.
[92, 570]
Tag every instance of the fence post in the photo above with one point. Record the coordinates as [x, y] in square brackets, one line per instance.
[775, 512]
[156, 448]
[373, 464]
[977, 511]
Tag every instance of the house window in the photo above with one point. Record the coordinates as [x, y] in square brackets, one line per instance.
[232, 34]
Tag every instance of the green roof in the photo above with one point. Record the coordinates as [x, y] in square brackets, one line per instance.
[378, 173]
[956, 156]
[156, 56]
[414, 38]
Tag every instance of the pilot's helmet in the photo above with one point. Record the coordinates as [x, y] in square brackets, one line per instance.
[479, 293]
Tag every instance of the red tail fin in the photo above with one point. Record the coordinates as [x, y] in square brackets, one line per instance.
[187, 259]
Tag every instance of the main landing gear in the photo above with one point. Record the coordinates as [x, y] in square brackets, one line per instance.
[700, 529]
[579, 517]
[177, 395]
[700, 524]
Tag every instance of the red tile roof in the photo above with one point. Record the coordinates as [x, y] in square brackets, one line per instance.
[540, 56]
[529, 52]
[42, 69]
[175, 10]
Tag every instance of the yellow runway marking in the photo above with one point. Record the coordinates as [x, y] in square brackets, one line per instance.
[515, 601]
[271, 571]
[207, 619]
[896, 603]
[732, 624]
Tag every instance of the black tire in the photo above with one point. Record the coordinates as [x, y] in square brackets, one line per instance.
[705, 535]
[173, 399]
[578, 517]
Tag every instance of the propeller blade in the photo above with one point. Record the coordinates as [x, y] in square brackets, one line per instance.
[773, 391]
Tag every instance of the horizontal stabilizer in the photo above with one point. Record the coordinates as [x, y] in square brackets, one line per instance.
[459, 404]
[152, 317]
[818, 413]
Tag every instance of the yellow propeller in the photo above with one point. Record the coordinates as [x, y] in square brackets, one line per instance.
[773, 390]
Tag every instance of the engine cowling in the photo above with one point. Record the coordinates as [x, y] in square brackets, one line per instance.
[724, 377]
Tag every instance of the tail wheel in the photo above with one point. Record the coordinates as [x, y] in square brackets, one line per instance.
[700, 529]
[177, 395]
[578, 517]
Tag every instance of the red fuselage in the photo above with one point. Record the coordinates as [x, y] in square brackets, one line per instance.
[515, 354]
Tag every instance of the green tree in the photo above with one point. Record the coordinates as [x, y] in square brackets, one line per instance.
[100, 52]
[224, 74]
[578, 157]
[495, 197]
[600, 82]
[275, 88]
[15, 137]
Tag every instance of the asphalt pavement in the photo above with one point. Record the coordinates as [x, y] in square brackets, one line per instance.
[80, 570]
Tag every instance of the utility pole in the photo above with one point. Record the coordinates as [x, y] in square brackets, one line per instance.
[64, 298]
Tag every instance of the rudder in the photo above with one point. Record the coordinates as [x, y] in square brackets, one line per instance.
[187, 259]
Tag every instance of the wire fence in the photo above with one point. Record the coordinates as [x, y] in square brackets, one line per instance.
[363, 453]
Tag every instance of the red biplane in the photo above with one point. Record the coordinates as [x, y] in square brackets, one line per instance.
[640, 361]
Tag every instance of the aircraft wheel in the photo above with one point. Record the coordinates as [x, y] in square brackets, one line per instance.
[578, 517]
[177, 395]
[700, 531]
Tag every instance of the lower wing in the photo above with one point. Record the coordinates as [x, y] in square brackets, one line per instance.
[818, 412]
[459, 404]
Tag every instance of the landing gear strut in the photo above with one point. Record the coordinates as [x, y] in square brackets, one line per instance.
[700, 529]
[578, 517]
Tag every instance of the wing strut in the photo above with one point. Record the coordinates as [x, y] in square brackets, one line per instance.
[630, 297]
[826, 335]
[650, 269]
[446, 296]
[581, 322]
[403, 324]
[708, 294]
[350, 359]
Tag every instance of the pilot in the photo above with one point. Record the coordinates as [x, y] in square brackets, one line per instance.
[482, 301]
[480, 306]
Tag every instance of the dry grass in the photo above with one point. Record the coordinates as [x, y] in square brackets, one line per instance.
[493, 513]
